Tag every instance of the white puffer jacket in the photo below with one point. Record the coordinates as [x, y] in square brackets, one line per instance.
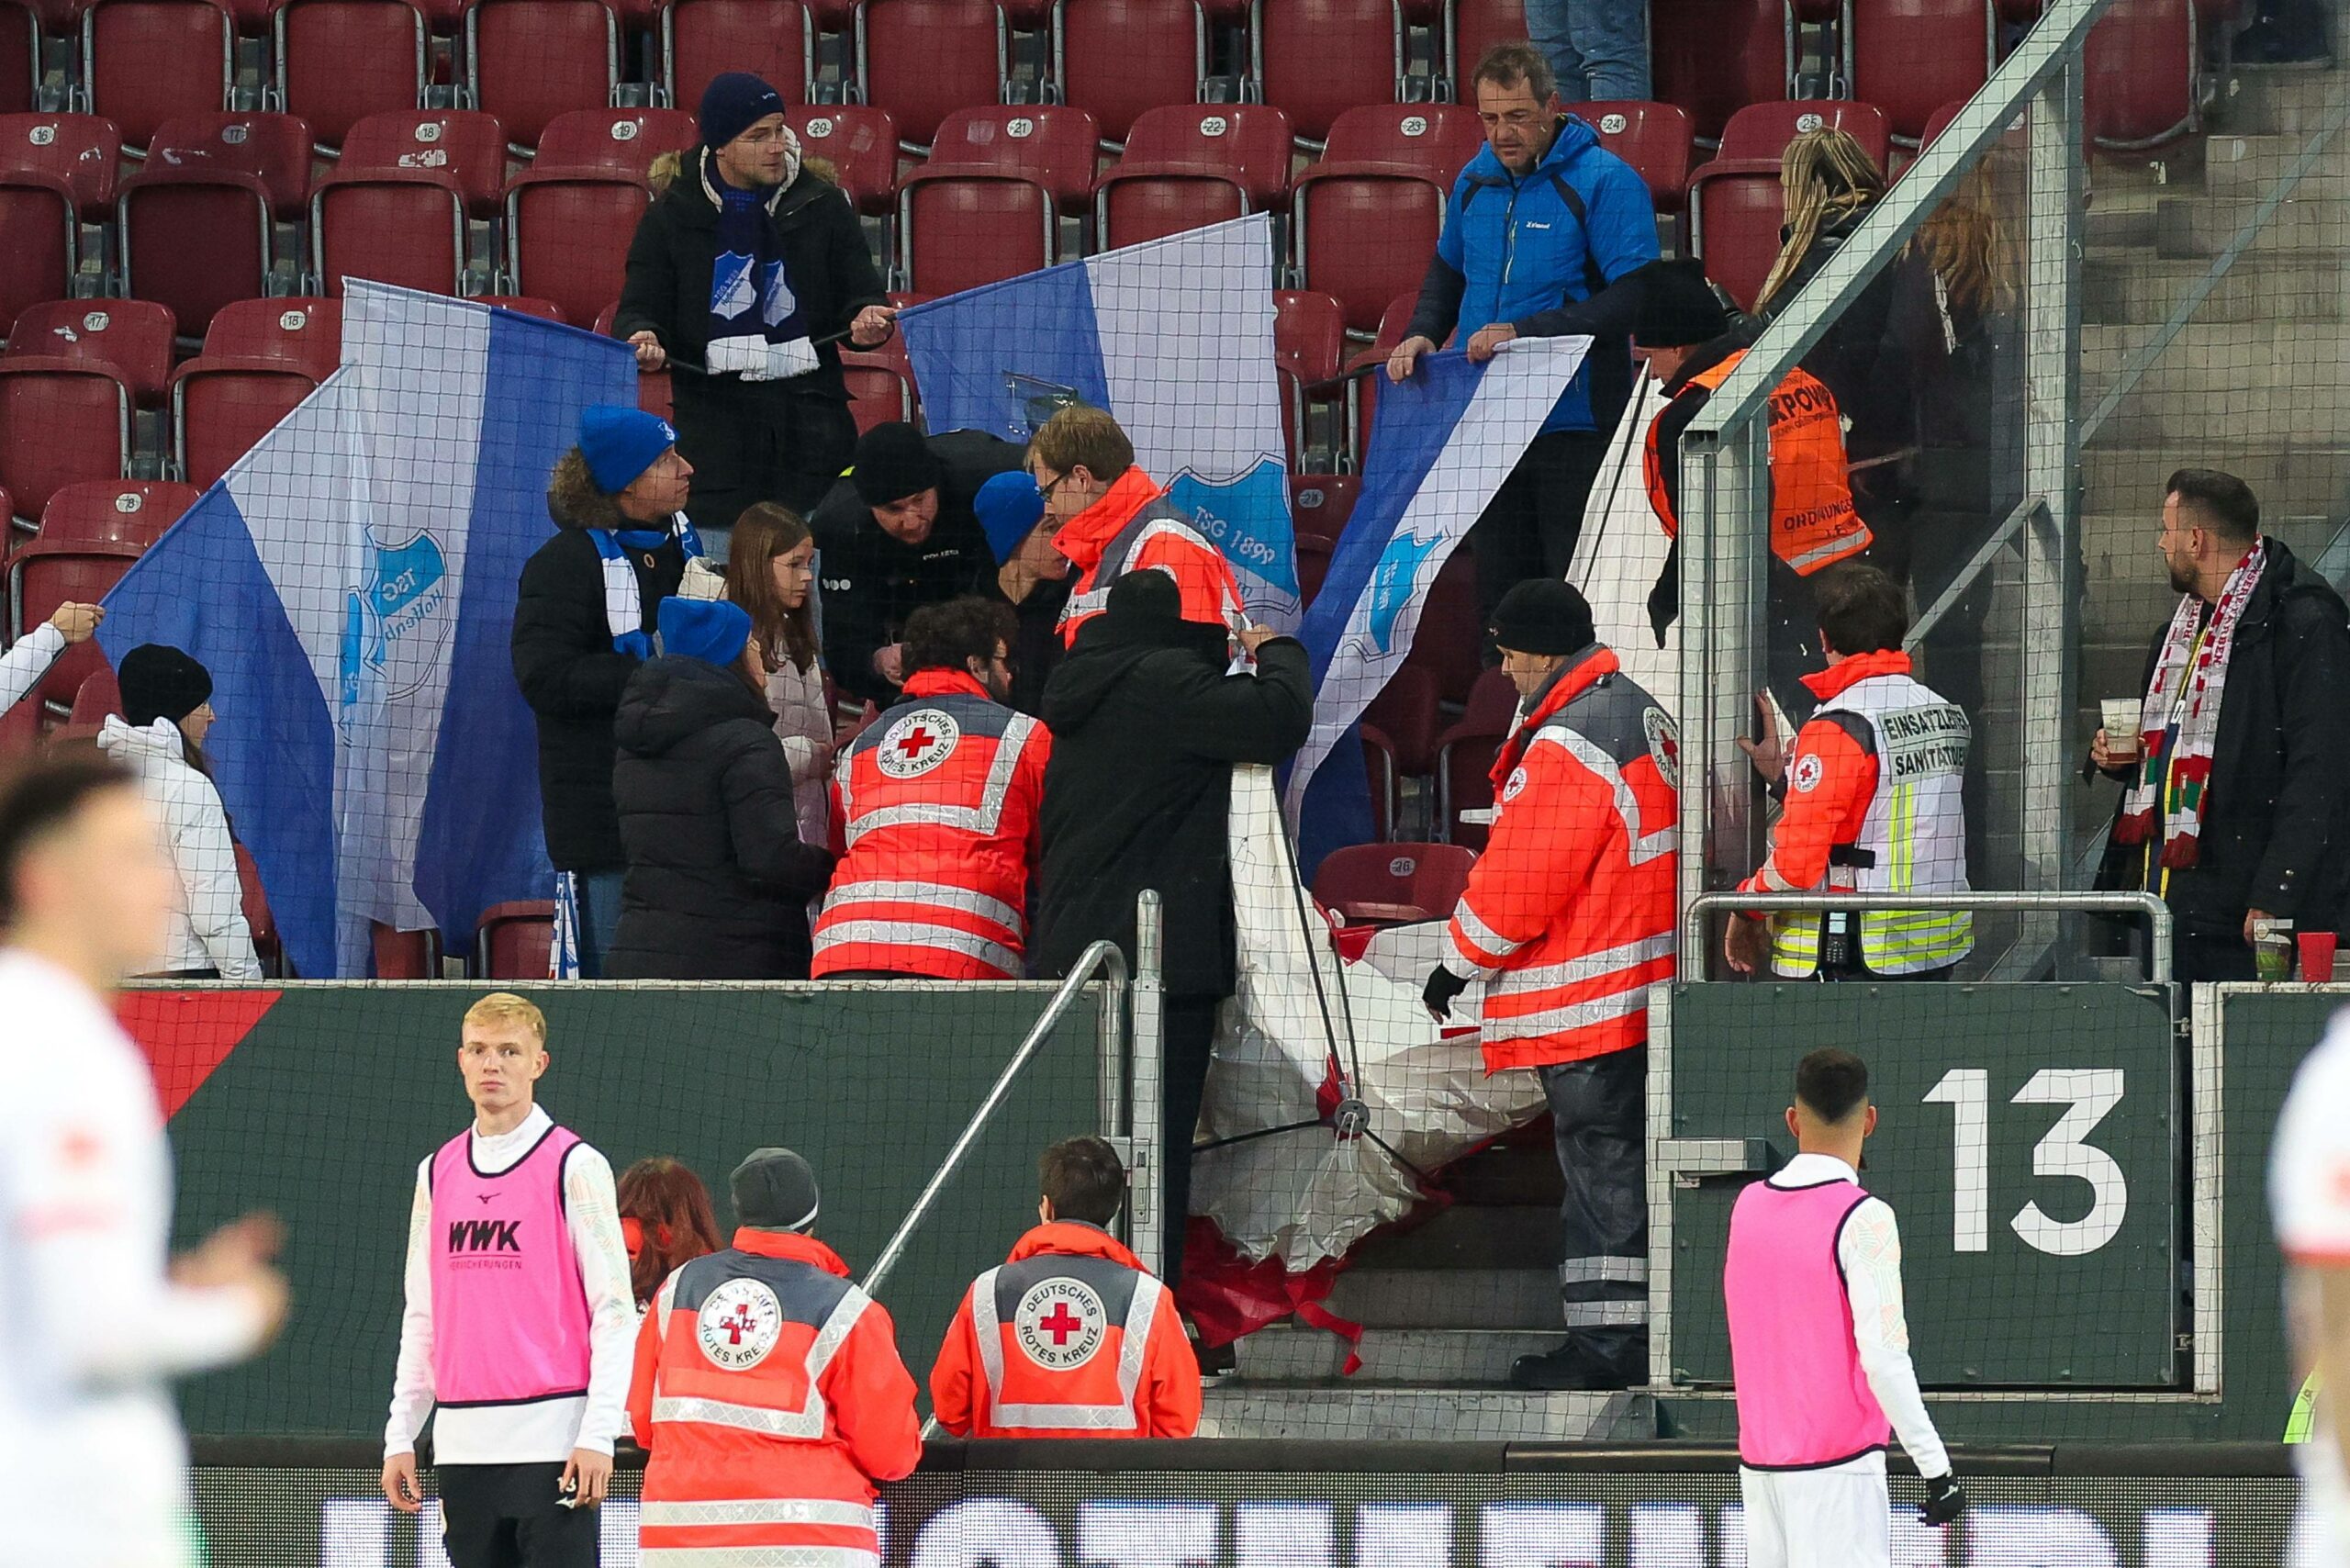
[209, 931]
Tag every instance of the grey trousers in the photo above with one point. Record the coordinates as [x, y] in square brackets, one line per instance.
[1599, 1106]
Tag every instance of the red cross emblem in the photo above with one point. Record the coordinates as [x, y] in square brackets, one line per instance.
[1061, 1324]
[915, 741]
[739, 1325]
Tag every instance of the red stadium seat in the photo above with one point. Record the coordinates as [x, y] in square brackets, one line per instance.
[44, 242]
[515, 940]
[1314, 60]
[525, 304]
[958, 231]
[275, 148]
[1437, 139]
[861, 144]
[527, 61]
[1715, 57]
[921, 60]
[1055, 147]
[1118, 59]
[82, 150]
[1191, 165]
[1309, 335]
[131, 336]
[652, 386]
[1311, 553]
[2141, 85]
[1655, 139]
[111, 514]
[567, 238]
[89, 536]
[465, 145]
[261, 358]
[1365, 219]
[880, 390]
[60, 421]
[195, 239]
[832, 16]
[342, 60]
[772, 38]
[98, 696]
[1365, 375]
[614, 144]
[19, 58]
[268, 945]
[146, 62]
[1393, 883]
[1472, 27]
[1407, 714]
[1320, 504]
[407, 228]
[1764, 130]
[1449, 642]
[404, 955]
[1735, 203]
[1465, 756]
[1910, 57]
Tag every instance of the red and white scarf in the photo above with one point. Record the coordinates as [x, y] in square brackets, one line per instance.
[2187, 696]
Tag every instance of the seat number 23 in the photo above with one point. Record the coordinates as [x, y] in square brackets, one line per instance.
[2089, 1094]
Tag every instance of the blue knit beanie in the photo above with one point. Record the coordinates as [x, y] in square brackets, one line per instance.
[710, 629]
[620, 442]
[1009, 508]
[733, 103]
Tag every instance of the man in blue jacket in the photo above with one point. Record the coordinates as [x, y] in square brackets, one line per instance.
[1540, 224]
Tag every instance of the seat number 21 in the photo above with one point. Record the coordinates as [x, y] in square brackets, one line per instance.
[2065, 1150]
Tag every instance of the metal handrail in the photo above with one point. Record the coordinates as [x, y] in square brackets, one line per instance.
[2154, 911]
[1102, 956]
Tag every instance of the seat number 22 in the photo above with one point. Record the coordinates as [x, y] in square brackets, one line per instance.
[2065, 1150]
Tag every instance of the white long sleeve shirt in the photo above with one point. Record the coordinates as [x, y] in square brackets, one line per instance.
[547, 1430]
[2308, 1192]
[93, 1464]
[208, 929]
[27, 660]
[1868, 1250]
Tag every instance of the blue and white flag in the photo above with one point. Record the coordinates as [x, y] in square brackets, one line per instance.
[1175, 338]
[349, 583]
[1444, 441]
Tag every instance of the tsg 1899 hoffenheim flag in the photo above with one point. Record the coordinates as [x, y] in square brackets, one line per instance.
[1175, 338]
[349, 584]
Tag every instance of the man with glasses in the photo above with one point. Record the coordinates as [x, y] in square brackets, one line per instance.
[935, 814]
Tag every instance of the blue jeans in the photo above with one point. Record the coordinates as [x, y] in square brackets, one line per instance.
[599, 918]
[1599, 48]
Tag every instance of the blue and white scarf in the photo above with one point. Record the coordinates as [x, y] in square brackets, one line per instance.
[623, 601]
[756, 328]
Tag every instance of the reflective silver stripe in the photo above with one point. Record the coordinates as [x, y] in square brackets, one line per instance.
[1603, 1270]
[919, 934]
[1841, 546]
[1092, 601]
[981, 819]
[1141, 1311]
[1574, 1016]
[762, 1511]
[1638, 849]
[1590, 965]
[808, 1421]
[1774, 883]
[1483, 935]
[1605, 1314]
[664, 1300]
[938, 895]
[758, 1557]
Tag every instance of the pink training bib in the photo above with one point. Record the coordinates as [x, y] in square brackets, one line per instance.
[1803, 1402]
[510, 1314]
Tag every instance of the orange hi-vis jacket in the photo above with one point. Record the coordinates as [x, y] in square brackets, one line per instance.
[1568, 916]
[1813, 524]
[1071, 1338]
[1131, 528]
[769, 1395]
[934, 817]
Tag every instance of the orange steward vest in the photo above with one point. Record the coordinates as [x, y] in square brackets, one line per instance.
[1131, 528]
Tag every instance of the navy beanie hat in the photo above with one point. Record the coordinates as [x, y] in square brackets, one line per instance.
[620, 442]
[732, 104]
[710, 629]
[1009, 508]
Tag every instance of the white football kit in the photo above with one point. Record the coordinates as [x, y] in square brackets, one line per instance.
[2309, 1192]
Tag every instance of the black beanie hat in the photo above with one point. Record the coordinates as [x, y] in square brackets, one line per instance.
[733, 103]
[1678, 307]
[1543, 615]
[893, 462]
[1144, 596]
[774, 1190]
[161, 682]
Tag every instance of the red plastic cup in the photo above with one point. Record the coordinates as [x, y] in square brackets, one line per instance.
[2317, 955]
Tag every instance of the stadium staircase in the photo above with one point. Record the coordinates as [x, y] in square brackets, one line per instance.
[1446, 1304]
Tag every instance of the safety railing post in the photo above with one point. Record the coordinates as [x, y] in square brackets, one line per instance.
[1148, 1218]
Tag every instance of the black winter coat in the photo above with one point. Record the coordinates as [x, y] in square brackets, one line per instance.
[2274, 834]
[572, 678]
[1147, 728]
[667, 288]
[717, 879]
[871, 582]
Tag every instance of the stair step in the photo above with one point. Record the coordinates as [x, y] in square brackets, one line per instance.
[2143, 290]
[1507, 1175]
[2121, 481]
[2278, 100]
[1293, 1354]
[1470, 1236]
[2203, 226]
[2274, 383]
[1355, 1409]
[1448, 1298]
[2251, 166]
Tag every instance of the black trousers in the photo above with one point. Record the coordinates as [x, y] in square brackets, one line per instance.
[1530, 528]
[756, 442]
[1599, 1112]
[509, 1515]
[2212, 956]
[1189, 1034]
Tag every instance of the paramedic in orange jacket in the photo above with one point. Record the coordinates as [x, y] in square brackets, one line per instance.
[1109, 518]
[769, 1393]
[1691, 351]
[1044, 1347]
[1568, 919]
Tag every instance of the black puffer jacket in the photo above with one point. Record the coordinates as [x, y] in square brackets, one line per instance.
[2275, 835]
[1147, 728]
[718, 881]
[572, 678]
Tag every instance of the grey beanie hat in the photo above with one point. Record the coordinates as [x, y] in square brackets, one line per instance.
[774, 1190]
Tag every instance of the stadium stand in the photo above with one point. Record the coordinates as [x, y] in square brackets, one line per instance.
[1735, 205]
[1318, 59]
[145, 62]
[1715, 57]
[1394, 884]
[2143, 87]
[921, 60]
[1911, 57]
[261, 358]
[90, 534]
[1365, 218]
[340, 61]
[1117, 60]
[773, 39]
[527, 61]
[512, 940]
[861, 145]
[1187, 165]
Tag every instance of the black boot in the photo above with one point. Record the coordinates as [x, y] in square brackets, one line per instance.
[1578, 1367]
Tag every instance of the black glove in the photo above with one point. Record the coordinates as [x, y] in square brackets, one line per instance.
[1944, 1502]
[1442, 987]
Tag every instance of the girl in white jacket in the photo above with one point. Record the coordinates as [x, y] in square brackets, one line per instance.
[770, 571]
[167, 709]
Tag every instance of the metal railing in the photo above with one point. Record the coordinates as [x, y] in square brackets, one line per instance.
[2155, 912]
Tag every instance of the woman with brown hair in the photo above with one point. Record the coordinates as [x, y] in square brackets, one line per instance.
[770, 571]
[666, 1220]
